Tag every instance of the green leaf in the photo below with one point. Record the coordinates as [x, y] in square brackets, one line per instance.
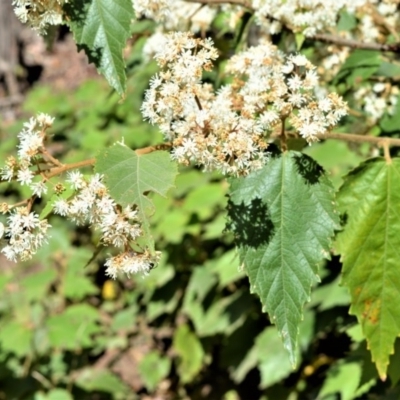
[153, 369]
[59, 394]
[190, 353]
[283, 218]
[101, 28]
[35, 286]
[76, 284]
[299, 37]
[73, 329]
[330, 295]
[16, 337]
[54, 197]
[369, 247]
[360, 63]
[344, 379]
[273, 362]
[391, 122]
[92, 379]
[129, 176]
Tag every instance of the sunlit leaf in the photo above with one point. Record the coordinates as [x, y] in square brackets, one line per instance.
[283, 218]
[370, 251]
[129, 176]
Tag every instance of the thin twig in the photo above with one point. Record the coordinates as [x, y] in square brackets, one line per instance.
[355, 44]
[198, 102]
[282, 136]
[243, 3]
[59, 170]
[351, 137]
[386, 151]
[150, 149]
[53, 160]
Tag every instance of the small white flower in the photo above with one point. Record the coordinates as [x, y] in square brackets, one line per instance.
[25, 176]
[75, 178]
[300, 60]
[7, 173]
[61, 207]
[38, 188]
[45, 120]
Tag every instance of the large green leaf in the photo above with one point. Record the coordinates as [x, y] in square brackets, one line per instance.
[129, 176]
[283, 218]
[370, 250]
[101, 28]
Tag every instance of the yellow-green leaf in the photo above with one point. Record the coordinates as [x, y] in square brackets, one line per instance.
[370, 251]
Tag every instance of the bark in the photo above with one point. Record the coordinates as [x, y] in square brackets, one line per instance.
[9, 30]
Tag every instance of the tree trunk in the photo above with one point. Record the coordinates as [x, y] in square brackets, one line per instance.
[9, 29]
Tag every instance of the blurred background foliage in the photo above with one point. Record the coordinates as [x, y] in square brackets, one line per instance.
[191, 329]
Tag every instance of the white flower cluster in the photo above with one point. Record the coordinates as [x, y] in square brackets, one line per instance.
[307, 16]
[39, 13]
[30, 147]
[176, 15]
[118, 227]
[25, 232]
[90, 203]
[377, 99]
[378, 18]
[131, 262]
[228, 130]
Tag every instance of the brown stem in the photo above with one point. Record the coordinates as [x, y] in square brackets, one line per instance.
[198, 102]
[150, 149]
[20, 203]
[321, 37]
[386, 152]
[350, 137]
[49, 157]
[282, 136]
[355, 44]
[67, 167]
[243, 3]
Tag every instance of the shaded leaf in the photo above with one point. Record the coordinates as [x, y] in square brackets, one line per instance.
[360, 63]
[130, 176]
[369, 247]
[283, 219]
[101, 28]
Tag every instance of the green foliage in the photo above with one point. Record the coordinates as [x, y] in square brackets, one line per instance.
[101, 28]
[130, 176]
[359, 66]
[190, 353]
[191, 328]
[369, 247]
[283, 220]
